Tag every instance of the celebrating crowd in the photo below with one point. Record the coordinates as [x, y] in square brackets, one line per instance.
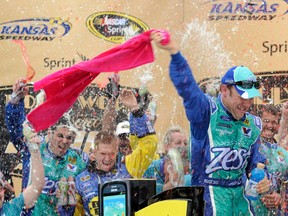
[226, 143]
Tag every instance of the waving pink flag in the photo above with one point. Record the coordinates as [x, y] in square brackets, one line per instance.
[64, 86]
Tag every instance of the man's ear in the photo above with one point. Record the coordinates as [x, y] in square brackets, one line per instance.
[224, 90]
[166, 148]
[49, 134]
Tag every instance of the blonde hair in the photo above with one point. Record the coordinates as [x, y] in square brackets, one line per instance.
[168, 136]
[105, 137]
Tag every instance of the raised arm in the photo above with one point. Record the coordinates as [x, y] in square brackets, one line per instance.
[196, 103]
[15, 114]
[32, 192]
[140, 127]
[109, 116]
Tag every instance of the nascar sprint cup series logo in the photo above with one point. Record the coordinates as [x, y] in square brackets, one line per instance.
[115, 27]
[246, 10]
[34, 29]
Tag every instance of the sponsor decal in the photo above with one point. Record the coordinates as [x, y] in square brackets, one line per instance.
[93, 206]
[213, 106]
[246, 131]
[222, 159]
[225, 118]
[50, 187]
[115, 27]
[258, 122]
[224, 125]
[72, 160]
[85, 178]
[223, 132]
[246, 122]
[241, 10]
[280, 157]
[34, 29]
[71, 167]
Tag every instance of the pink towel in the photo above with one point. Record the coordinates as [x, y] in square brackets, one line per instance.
[64, 86]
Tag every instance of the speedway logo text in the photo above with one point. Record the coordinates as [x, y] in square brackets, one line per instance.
[260, 10]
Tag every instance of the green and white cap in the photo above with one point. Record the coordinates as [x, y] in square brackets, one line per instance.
[241, 73]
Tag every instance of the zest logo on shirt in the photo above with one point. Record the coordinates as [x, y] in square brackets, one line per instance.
[227, 159]
[50, 187]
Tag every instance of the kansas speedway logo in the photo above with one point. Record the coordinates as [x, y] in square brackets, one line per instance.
[114, 26]
[34, 29]
[248, 10]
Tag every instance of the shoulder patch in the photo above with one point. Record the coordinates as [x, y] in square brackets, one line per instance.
[71, 167]
[72, 160]
[258, 122]
[85, 178]
[213, 105]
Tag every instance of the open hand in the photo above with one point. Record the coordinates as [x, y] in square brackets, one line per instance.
[271, 200]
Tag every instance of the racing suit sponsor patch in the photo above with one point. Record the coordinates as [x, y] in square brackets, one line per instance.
[224, 132]
[85, 178]
[223, 159]
[280, 157]
[225, 118]
[72, 160]
[72, 168]
[246, 122]
[50, 187]
[258, 122]
[246, 131]
[93, 206]
[224, 125]
[214, 107]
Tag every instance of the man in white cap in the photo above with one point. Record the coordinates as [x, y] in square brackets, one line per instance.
[224, 136]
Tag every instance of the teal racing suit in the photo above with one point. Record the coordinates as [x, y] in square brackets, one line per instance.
[223, 150]
[13, 207]
[55, 167]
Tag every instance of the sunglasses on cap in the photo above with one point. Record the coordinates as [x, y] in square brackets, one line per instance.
[248, 84]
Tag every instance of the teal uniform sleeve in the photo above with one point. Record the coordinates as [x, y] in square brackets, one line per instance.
[14, 206]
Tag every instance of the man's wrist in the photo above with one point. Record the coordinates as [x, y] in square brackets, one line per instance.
[15, 98]
[33, 147]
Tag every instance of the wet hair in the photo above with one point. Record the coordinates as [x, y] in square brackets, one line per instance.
[168, 136]
[105, 137]
[63, 122]
[269, 108]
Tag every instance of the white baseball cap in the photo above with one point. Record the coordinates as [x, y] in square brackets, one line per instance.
[123, 127]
